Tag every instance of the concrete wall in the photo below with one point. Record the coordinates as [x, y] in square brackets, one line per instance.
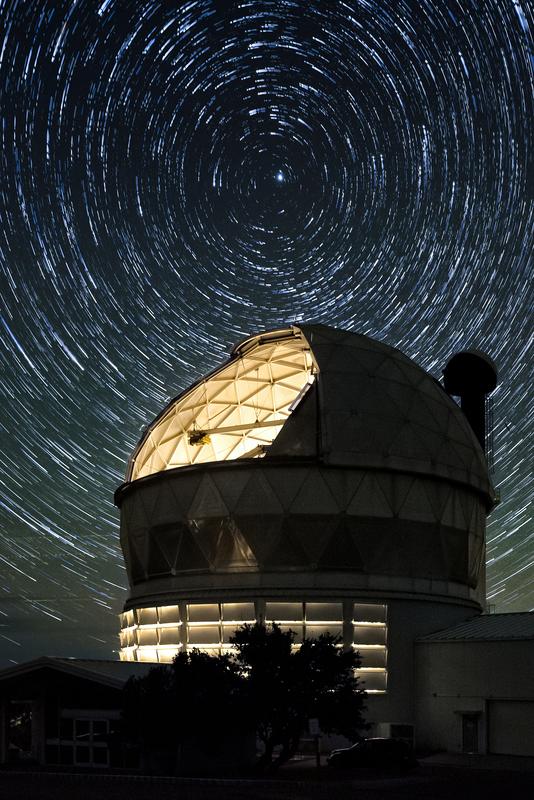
[407, 620]
[456, 678]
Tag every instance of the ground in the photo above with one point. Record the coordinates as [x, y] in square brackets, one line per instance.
[461, 779]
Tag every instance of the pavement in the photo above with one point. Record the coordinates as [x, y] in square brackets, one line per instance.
[438, 777]
[471, 761]
[520, 764]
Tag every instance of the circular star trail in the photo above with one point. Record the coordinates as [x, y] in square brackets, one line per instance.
[176, 176]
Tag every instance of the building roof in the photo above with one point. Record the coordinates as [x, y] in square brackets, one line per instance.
[315, 391]
[109, 673]
[487, 628]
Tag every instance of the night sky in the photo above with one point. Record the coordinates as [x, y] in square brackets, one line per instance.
[175, 176]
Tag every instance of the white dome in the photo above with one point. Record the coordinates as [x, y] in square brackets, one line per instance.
[316, 391]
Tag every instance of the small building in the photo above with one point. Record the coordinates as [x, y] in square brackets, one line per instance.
[475, 686]
[64, 712]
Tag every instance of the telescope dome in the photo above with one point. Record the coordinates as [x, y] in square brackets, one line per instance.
[319, 479]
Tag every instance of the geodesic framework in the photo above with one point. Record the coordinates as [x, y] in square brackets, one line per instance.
[282, 518]
[235, 412]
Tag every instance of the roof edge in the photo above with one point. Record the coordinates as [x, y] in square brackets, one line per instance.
[65, 665]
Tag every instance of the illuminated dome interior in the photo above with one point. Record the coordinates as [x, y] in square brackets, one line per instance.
[236, 411]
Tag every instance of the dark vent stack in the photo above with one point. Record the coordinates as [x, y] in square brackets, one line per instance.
[471, 375]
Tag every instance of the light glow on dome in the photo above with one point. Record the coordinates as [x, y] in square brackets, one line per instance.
[236, 412]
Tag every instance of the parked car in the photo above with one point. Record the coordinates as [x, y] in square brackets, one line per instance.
[380, 753]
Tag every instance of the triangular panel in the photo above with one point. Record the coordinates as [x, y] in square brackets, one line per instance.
[369, 499]
[233, 551]
[312, 533]
[286, 483]
[148, 495]
[167, 538]
[455, 547]
[287, 553]
[390, 371]
[416, 505]
[137, 568]
[342, 484]
[230, 484]
[207, 501]
[257, 497]
[184, 487]
[260, 533]
[453, 513]
[157, 563]
[166, 509]
[341, 551]
[208, 533]
[190, 556]
[314, 497]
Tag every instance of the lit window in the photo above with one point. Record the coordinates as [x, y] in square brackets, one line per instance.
[169, 635]
[147, 654]
[204, 635]
[370, 639]
[324, 612]
[168, 614]
[284, 612]
[373, 681]
[158, 633]
[313, 631]
[147, 636]
[147, 616]
[238, 612]
[203, 613]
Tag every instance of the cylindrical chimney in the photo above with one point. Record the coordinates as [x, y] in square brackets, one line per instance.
[471, 375]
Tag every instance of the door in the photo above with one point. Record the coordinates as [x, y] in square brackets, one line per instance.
[470, 733]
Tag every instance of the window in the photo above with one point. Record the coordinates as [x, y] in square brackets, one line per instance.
[158, 633]
[151, 634]
[82, 741]
[20, 730]
[369, 638]
[306, 619]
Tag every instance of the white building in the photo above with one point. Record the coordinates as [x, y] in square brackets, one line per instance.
[475, 686]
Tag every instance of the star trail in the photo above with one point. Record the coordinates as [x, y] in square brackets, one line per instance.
[177, 176]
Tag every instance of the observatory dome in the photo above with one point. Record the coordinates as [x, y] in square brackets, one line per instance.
[372, 407]
[317, 478]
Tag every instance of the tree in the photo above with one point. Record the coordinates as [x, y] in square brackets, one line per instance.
[285, 687]
[148, 705]
[197, 700]
[266, 685]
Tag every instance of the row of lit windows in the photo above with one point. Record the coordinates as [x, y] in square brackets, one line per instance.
[158, 633]
[366, 613]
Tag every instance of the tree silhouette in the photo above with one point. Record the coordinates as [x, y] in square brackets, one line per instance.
[286, 686]
[266, 685]
[195, 700]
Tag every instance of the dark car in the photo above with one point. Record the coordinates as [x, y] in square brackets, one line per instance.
[378, 753]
